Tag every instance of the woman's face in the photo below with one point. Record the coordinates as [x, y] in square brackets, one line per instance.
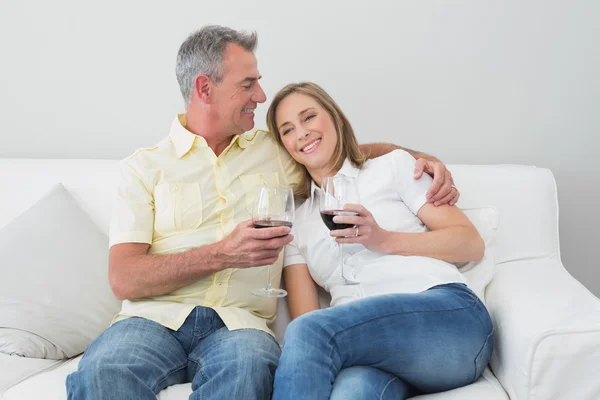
[307, 131]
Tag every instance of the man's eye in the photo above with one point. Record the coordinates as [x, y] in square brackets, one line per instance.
[247, 87]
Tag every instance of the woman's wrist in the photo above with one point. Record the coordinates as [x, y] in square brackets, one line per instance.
[392, 243]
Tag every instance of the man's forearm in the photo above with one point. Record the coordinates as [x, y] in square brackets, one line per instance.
[147, 275]
[374, 150]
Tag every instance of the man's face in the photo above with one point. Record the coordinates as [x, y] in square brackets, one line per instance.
[236, 97]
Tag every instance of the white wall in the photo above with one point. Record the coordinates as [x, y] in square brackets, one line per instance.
[467, 81]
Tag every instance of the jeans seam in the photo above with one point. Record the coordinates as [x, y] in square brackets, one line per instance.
[200, 368]
[171, 372]
[197, 336]
[386, 386]
[487, 338]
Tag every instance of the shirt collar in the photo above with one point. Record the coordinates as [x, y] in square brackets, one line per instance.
[182, 139]
[347, 170]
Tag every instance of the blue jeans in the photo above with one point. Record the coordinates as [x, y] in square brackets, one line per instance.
[137, 358]
[391, 346]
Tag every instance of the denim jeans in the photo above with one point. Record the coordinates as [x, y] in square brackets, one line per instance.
[136, 358]
[390, 346]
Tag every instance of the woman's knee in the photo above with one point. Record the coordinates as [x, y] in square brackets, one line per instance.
[305, 329]
[364, 383]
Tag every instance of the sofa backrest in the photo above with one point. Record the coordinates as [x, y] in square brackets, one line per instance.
[525, 197]
[91, 182]
[527, 204]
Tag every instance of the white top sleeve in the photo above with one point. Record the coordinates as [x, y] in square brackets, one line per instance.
[411, 191]
[292, 254]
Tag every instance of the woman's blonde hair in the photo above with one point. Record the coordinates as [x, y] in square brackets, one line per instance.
[347, 145]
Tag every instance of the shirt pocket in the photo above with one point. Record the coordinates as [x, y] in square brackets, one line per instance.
[178, 207]
[252, 182]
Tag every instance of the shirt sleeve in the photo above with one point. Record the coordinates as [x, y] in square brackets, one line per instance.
[133, 215]
[292, 253]
[411, 191]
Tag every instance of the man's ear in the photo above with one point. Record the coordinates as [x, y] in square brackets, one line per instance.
[202, 88]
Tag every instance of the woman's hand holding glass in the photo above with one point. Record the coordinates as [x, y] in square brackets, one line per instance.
[336, 192]
[365, 229]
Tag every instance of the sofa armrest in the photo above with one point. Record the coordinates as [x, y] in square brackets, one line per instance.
[547, 343]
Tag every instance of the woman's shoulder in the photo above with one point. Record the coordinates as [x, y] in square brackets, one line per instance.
[393, 157]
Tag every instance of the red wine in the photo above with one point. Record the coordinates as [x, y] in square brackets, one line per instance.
[271, 224]
[327, 217]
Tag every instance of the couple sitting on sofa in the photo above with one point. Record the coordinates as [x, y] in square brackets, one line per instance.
[184, 256]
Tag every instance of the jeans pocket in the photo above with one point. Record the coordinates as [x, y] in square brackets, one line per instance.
[484, 356]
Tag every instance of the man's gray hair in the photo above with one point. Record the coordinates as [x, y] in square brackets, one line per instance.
[202, 54]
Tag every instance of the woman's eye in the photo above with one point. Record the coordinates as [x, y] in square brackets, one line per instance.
[309, 117]
[285, 132]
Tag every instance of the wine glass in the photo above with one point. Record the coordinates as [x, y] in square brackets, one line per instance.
[273, 207]
[336, 192]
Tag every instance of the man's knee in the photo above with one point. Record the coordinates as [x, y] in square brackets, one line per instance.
[93, 377]
[257, 354]
[246, 352]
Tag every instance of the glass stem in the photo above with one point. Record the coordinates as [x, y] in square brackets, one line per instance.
[268, 287]
[342, 261]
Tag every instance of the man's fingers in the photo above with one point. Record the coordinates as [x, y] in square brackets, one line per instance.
[445, 190]
[269, 233]
[264, 257]
[455, 198]
[445, 200]
[436, 185]
[276, 243]
[419, 167]
[443, 194]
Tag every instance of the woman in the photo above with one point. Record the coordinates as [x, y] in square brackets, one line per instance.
[411, 325]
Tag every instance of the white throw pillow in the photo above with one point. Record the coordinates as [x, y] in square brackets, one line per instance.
[480, 273]
[16, 342]
[54, 270]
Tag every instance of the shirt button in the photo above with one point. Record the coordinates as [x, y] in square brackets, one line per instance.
[174, 188]
[218, 163]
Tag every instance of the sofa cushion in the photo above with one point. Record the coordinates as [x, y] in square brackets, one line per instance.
[50, 385]
[15, 369]
[55, 279]
[480, 273]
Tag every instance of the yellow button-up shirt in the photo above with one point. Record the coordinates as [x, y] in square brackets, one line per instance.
[179, 195]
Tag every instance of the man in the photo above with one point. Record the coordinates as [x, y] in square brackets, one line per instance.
[184, 255]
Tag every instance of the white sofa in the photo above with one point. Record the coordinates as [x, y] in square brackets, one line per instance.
[547, 324]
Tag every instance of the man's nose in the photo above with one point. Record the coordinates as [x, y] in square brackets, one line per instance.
[259, 94]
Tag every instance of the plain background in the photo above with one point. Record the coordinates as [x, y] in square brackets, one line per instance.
[472, 82]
